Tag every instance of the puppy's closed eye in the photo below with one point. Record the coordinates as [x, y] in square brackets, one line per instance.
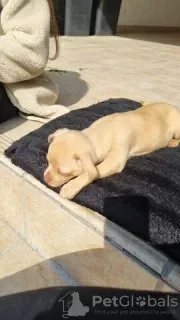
[65, 171]
[70, 168]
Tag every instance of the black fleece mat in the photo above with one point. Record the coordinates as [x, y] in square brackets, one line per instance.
[144, 198]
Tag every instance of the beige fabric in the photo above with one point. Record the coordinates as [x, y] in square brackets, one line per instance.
[24, 52]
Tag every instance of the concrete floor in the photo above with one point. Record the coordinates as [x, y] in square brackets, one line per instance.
[139, 67]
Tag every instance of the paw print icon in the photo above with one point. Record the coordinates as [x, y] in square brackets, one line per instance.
[141, 301]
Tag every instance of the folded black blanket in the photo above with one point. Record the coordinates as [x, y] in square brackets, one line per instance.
[144, 198]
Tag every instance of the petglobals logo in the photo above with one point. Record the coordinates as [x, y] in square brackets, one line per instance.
[126, 301]
[72, 305]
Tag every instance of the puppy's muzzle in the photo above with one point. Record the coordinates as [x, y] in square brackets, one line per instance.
[47, 177]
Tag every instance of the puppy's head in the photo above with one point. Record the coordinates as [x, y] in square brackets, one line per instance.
[64, 156]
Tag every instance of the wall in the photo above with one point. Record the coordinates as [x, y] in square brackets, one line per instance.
[150, 13]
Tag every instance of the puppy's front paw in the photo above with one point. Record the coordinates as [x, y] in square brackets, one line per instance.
[67, 192]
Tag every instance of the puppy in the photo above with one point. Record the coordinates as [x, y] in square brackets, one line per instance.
[76, 158]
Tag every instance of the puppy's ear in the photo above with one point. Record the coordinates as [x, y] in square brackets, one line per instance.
[57, 133]
[51, 138]
[85, 161]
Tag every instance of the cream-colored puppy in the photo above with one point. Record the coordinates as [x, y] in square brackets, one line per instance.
[76, 158]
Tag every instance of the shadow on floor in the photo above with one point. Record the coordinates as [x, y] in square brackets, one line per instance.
[28, 300]
[170, 38]
[71, 87]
